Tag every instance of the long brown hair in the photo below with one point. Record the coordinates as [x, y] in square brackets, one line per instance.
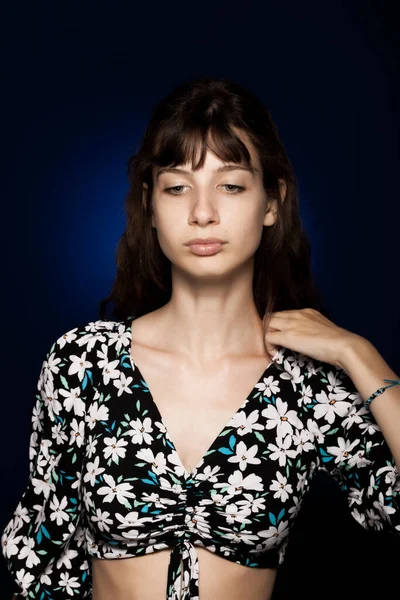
[201, 114]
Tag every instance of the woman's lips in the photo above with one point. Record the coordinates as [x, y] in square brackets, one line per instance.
[205, 249]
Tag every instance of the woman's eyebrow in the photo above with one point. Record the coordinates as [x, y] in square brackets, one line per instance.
[251, 170]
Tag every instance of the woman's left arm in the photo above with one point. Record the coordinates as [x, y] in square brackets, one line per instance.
[358, 446]
[367, 369]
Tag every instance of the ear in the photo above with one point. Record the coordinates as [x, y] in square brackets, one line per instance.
[272, 208]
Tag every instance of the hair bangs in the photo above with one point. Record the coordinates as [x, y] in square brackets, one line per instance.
[188, 145]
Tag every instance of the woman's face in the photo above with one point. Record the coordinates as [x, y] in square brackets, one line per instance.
[226, 204]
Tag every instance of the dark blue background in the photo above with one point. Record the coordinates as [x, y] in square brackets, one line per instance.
[79, 81]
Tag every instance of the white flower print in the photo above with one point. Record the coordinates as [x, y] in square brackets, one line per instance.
[354, 416]
[328, 407]
[77, 432]
[72, 530]
[93, 470]
[96, 413]
[358, 459]
[131, 519]
[281, 451]
[373, 519]
[52, 363]
[390, 477]
[196, 520]
[59, 515]
[49, 397]
[21, 515]
[302, 481]
[110, 371]
[384, 509]
[158, 462]
[217, 499]
[37, 419]
[27, 552]
[59, 434]
[91, 446]
[355, 496]
[293, 371]
[245, 424]
[140, 431]
[154, 498]
[237, 483]
[335, 385]
[109, 368]
[280, 417]
[342, 450]
[114, 448]
[102, 520]
[306, 396]
[245, 456]
[110, 552]
[24, 580]
[293, 510]
[255, 504]
[91, 337]
[40, 516]
[10, 543]
[235, 537]
[44, 452]
[209, 473]
[113, 490]
[67, 338]
[88, 500]
[45, 576]
[78, 365]
[42, 486]
[269, 386]
[66, 558]
[371, 486]
[301, 440]
[274, 535]
[369, 428]
[121, 337]
[317, 432]
[68, 582]
[281, 487]
[235, 515]
[73, 401]
[174, 459]
[122, 384]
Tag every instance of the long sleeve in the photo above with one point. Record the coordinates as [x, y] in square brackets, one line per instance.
[351, 447]
[43, 543]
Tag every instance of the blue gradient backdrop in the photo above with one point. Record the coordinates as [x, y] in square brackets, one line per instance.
[79, 81]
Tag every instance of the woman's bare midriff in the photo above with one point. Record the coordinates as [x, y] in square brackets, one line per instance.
[145, 578]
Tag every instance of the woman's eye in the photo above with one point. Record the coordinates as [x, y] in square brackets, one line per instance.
[174, 190]
[169, 190]
[239, 188]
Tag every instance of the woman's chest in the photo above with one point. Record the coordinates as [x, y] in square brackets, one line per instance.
[196, 405]
[241, 435]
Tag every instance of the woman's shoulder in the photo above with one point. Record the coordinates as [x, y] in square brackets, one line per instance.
[84, 341]
[86, 333]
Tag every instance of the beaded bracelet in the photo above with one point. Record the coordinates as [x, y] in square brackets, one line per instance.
[392, 383]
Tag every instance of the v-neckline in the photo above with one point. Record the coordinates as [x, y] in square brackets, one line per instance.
[191, 474]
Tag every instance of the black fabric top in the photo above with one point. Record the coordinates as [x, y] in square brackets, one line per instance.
[106, 480]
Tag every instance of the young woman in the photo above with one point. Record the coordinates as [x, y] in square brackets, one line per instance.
[172, 444]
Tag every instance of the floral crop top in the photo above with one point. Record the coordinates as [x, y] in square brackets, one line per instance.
[106, 481]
